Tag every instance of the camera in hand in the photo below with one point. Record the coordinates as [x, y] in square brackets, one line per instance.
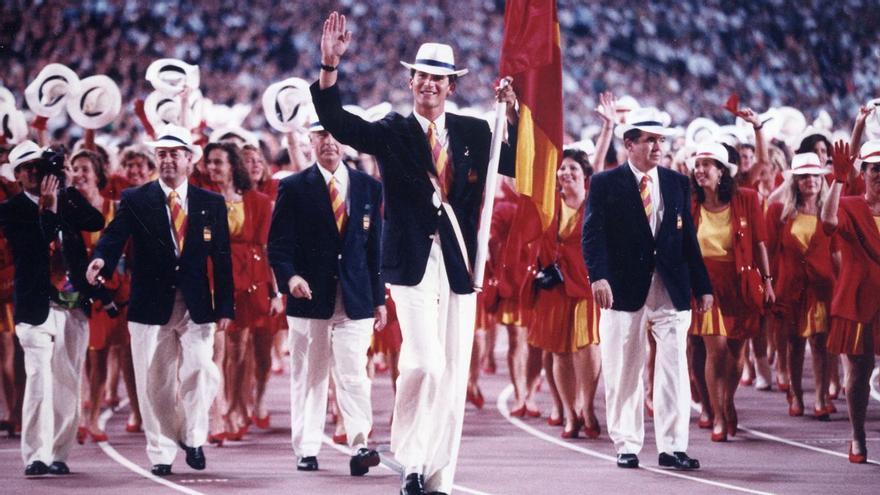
[548, 277]
[51, 162]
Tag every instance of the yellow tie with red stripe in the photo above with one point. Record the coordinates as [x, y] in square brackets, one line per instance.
[441, 159]
[178, 220]
[337, 203]
[645, 193]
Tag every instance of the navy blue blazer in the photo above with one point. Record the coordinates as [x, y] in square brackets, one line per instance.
[620, 248]
[404, 157]
[304, 241]
[29, 233]
[156, 271]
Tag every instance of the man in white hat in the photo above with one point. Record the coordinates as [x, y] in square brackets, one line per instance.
[175, 228]
[49, 313]
[641, 250]
[324, 248]
[433, 166]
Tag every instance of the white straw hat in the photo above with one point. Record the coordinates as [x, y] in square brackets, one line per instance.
[46, 95]
[174, 136]
[714, 151]
[171, 75]
[24, 152]
[13, 125]
[96, 103]
[285, 104]
[435, 58]
[646, 119]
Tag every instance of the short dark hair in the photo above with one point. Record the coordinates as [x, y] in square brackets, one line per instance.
[581, 158]
[632, 135]
[240, 178]
[98, 165]
[726, 187]
[809, 143]
[452, 77]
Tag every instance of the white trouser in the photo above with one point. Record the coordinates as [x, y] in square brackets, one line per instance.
[317, 348]
[176, 381]
[54, 352]
[623, 347]
[437, 327]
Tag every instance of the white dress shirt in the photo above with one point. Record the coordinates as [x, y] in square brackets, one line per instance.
[341, 176]
[656, 198]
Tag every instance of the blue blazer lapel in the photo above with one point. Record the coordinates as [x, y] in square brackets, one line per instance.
[356, 204]
[159, 215]
[671, 206]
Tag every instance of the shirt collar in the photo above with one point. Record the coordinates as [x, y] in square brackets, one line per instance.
[181, 190]
[35, 199]
[341, 173]
[440, 122]
[652, 174]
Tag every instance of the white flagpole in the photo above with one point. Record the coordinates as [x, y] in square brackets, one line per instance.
[489, 193]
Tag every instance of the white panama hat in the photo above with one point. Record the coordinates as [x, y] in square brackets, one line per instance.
[701, 130]
[171, 75]
[13, 125]
[6, 96]
[161, 109]
[174, 136]
[435, 58]
[646, 119]
[24, 152]
[96, 103]
[713, 150]
[286, 103]
[46, 95]
[868, 153]
[806, 164]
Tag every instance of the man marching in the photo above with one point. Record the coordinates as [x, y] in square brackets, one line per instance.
[433, 167]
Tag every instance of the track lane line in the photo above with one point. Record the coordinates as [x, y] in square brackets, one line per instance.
[503, 409]
[113, 454]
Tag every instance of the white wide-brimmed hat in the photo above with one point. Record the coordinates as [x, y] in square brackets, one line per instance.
[806, 164]
[713, 150]
[171, 75]
[6, 96]
[285, 104]
[733, 135]
[96, 103]
[174, 136]
[700, 130]
[808, 132]
[46, 95]
[13, 125]
[24, 152]
[646, 119]
[435, 58]
[161, 109]
[868, 153]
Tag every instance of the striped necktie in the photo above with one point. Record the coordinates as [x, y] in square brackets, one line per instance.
[178, 220]
[337, 203]
[645, 193]
[441, 159]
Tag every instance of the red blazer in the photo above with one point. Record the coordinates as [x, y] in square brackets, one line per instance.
[269, 187]
[568, 253]
[857, 291]
[250, 264]
[747, 218]
[794, 270]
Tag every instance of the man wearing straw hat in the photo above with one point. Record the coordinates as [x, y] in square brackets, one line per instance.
[175, 229]
[49, 307]
[433, 167]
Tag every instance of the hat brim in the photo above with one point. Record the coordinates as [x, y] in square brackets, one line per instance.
[432, 69]
[810, 170]
[299, 116]
[190, 75]
[691, 163]
[650, 129]
[165, 143]
[110, 109]
[34, 92]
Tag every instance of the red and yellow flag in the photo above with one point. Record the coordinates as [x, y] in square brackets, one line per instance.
[531, 54]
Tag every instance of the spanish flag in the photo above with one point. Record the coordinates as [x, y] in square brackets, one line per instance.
[531, 54]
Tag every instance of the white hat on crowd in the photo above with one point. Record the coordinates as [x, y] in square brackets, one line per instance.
[13, 125]
[806, 164]
[808, 132]
[6, 96]
[646, 119]
[171, 75]
[46, 95]
[733, 135]
[586, 145]
[868, 153]
[174, 136]
[713, 150]
[161, 109]
[435, 58]
[701, 130]
[24, 152]
[233, 131]
[285, 104]
[96, 103]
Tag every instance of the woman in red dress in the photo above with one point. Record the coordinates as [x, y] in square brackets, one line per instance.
[567, 321]
[731, 233]
[801, 253]
[249, 214]
[855, 305]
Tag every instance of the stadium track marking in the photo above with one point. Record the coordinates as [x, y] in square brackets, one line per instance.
[124, 462]
[503, 409]
[785, 441]
[392, 465]
[875, 382]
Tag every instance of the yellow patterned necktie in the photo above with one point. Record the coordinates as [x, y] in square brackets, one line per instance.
[441, 159]
[337, 203]
[178, 220]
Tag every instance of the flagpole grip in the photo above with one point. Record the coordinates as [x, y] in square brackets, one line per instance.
[485, 224]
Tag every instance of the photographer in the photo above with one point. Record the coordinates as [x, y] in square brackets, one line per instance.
[569, 323]
[50, 317]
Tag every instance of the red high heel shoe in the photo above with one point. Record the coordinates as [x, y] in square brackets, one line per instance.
[592, 432]
[133, 428]
[793, 408]
[783, 387]
[98, 437]
[261, 423]
[554, 421]
[519, 412]
[570, 434]
[340, 439]
[217, 439]
[81, 434]
[704, 423]
[475, 397]
[719, 436]
[858, 458]
[732, 427]
[533, 413]
[831, 408]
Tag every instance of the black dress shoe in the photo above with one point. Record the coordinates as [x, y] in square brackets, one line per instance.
[195, 456]
[678, 460]
[627, 461]
[309, 463]
[59, 467]
[161, 469]
[413, 484]
[361, 462]
[36, 468]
